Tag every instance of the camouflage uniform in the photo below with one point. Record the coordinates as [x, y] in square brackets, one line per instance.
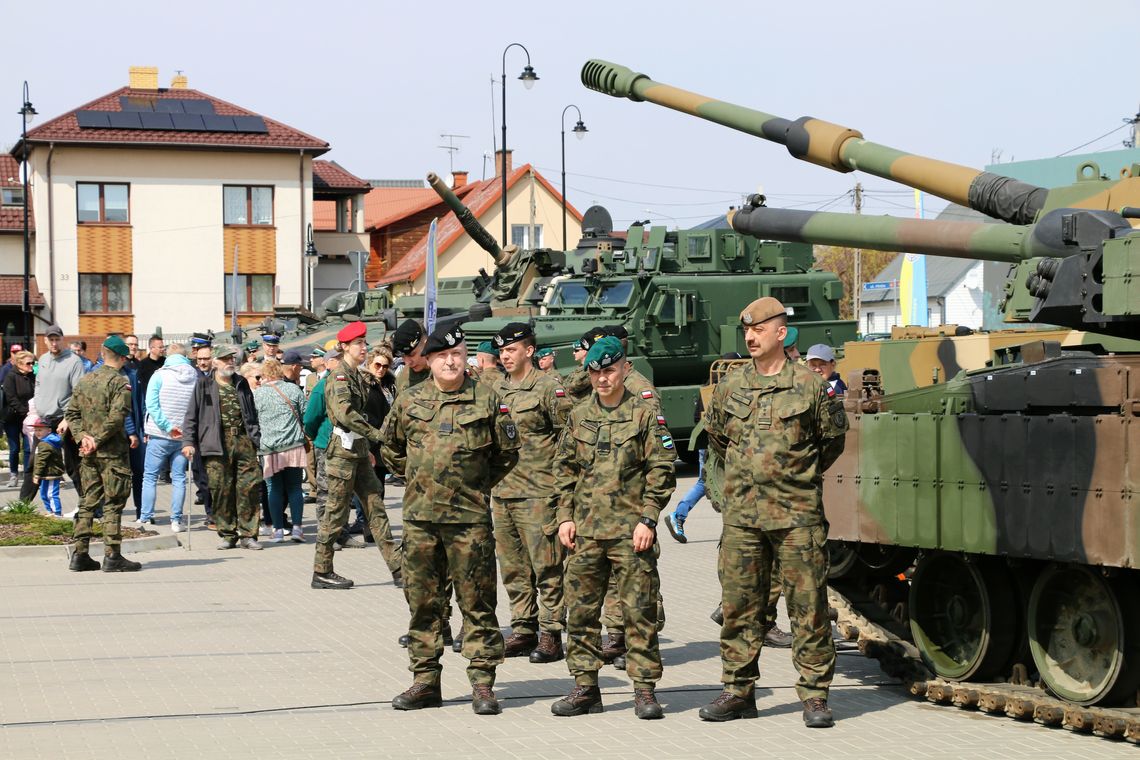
[614, 467]
[236, 475]
[452, 448]
[776, 435]
[99, 408]
[349, 471]
[530, 557]
[578, 385]
[410, 378]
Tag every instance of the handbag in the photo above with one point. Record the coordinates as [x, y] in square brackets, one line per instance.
[293, 409]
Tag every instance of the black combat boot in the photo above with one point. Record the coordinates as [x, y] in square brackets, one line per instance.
[519, 644]
[614, 646]
[774, 637]
[397, 578]
[646, 706]
[81, 562]
[419, 696]
[549, 648]
[115, 562]
[404, 640]
[728, 706]
[580, 701]
[817, 714]
[330, 580]
[455, 643]
[717, 615]
[619, 662]
[483, 700]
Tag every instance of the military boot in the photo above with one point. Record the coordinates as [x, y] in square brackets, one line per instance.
[418, 696]
[397, 578]
[646, 706]
[456, 644]
[115, 562]
[519, 644]
[774, 637]
[619, 662]
[549, 648]
[81, 562]
[330, 580]
[483, 700]
[580, 701]
[615, 646]
[404, 640]
[817, 714]
[728, 706]
[717, 615]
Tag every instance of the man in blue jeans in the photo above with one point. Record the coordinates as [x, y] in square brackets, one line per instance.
[168, 396]
[675, 522]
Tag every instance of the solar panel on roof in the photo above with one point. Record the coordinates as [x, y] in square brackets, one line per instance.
[152, 120]
[129, 103]
[198, 106]
[215, 123]
[251, 124]
[124, 119]
[169, 105]
[187, 122]
[93, 119]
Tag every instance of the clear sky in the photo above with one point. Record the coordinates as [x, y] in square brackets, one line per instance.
[381, 81]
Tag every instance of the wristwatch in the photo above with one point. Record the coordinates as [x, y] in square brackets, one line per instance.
[651, 523]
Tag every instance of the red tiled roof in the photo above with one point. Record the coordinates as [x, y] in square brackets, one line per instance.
[12, 291]
[329, 175]
[65, 128]
[482, 196]
[384, 206]
[12, 217]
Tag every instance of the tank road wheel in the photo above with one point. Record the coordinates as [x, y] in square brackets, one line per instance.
[963, 616]
[1083, 634]
[885, 559]
[842, 560]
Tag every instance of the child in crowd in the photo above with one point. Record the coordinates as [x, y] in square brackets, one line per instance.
[48, 470]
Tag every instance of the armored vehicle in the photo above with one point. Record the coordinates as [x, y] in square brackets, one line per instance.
[1008, 488]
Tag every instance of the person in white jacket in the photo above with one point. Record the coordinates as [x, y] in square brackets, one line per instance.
[168, 396]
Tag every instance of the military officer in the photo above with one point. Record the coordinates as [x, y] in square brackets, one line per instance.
[97, 418]
[544, 358]
[270, 347]
[530, 558]
[614, 476]
[408, 342]
[348, 466]
[778, 426]
[578, 381]
[453, 442]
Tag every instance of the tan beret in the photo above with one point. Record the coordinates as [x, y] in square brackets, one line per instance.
[761, 310]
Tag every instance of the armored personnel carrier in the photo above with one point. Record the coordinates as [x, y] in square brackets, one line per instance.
[1009, 488]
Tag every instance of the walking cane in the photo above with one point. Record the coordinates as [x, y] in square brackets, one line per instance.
[189, 512]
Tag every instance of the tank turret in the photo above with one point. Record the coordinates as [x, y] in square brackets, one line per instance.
[477, 231]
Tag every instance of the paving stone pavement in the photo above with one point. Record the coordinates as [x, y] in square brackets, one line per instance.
[230, 654]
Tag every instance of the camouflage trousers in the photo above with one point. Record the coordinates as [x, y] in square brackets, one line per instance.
[235, 494]
[745, 570]
[611, 612]
[106, 483]
[466, 553]
[530, 561]
[591, 567]
[348, 476]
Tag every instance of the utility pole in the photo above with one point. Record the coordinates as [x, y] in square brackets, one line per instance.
[857, 288]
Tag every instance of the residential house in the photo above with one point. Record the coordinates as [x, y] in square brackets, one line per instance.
[147, 196]
[338, 228]
[12, 253]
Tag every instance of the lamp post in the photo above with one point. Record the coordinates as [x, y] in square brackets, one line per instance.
[528, 78]
[311, 257]
[27, 113]
[579, 131]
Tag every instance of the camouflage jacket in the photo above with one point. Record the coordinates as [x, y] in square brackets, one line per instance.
[99, 407]
[409, 378]
[614, 467]
[346, 393]
[539, 406]
[639, 385]
[451, 448]
[777, 435]
[578, 385]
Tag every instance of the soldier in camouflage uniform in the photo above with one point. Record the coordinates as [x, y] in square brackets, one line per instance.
[778, 427]
[453, 442]
[221, 427]
[348, 465]
[97, 418]
[578, 381]
[530, 557]
[614, 475]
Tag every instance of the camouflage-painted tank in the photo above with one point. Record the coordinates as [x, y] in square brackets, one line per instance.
[1010, 488]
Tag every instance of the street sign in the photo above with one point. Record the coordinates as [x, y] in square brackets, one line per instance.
[886, 285]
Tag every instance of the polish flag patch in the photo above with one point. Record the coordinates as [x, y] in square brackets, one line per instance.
[660, 420]
[830, 392]
[504, 409]
[559, 393]
[647, 394]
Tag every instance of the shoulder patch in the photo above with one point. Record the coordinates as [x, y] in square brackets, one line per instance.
[504, 409]
[559, 393]
[661, 420]
[666, 442]
[830, 391]
[647, 394]
[342, 378]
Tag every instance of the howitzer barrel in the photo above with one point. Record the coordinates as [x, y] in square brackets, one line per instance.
[962, 240]
[833, 146]
[477, 231]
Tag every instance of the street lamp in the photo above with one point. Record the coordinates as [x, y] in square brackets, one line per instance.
[528, 78]
[311, 257]
[579, 132]
[27, 113]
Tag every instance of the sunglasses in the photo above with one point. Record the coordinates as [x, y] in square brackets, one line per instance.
[381, 364]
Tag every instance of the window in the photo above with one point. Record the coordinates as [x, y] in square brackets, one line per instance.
[102, 202]
[12, 196]
[254, 292]
[520, 236]
[104, 293]
[242, 204]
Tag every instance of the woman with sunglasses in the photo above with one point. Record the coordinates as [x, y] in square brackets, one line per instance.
[19, 388]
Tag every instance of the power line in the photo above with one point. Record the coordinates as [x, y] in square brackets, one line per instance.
[1095, 139]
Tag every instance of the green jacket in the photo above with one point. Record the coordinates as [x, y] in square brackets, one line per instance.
[317, 423]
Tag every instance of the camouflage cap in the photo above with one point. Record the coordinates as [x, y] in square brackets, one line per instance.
[761, 310]
[513, 332]
[117, 345]
[443, 339]
[605, 351]
[486, 348]
[792, 336]
[225, 351]
[407, 337]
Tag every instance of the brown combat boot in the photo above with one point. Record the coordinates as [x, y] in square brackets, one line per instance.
[646, 706]
[483, 700]
[614, 646]
[774, 637]
[728, 706]
[519, 644]
[817, 714]
[418, 696]
[549, 648]
[580, 700]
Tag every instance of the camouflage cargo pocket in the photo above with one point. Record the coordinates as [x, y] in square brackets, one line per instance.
[117, 482]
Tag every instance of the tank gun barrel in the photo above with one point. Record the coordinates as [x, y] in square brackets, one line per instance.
[832, 146]
[477, 231]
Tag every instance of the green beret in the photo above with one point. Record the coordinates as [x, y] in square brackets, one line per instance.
[543, 352]
[117, 345]
[603, 353]
[792, 336]
[486, 348]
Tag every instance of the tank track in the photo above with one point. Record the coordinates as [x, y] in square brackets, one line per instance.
[863, 619]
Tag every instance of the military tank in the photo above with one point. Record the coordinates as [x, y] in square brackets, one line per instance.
[1008, 489]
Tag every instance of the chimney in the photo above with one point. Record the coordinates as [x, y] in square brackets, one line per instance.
[458, 180]
[144, 77]
[179, 82]
[499, 171]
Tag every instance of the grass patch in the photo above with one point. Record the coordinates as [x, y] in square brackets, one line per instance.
[38, 529]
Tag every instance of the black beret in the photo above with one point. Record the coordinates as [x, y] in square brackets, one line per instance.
[513, 332]
[407, 337]
[590, 337]
[616, 331]
[443, 338]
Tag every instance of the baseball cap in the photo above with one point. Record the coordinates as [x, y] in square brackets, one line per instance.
[822, 352]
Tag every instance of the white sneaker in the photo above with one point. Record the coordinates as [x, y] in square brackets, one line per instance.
[298, 535]
[278, 537]
[176, 527]
[13, 481]
[139, 523]
[70, 515]
[265, 531]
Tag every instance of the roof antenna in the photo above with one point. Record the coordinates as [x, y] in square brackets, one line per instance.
[452, 148]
